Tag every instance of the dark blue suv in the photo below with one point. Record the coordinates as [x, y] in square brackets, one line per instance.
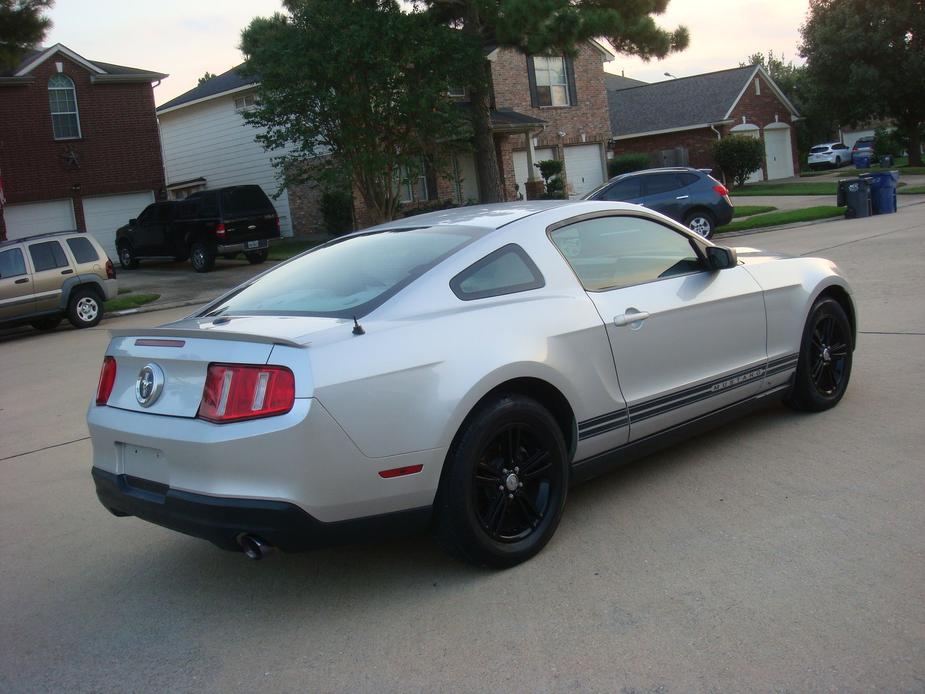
[690, 196]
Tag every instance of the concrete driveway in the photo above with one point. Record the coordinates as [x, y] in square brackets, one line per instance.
[782, 553]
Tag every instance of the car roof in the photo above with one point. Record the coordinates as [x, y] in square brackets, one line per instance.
[661, 169]
[47, 234]
[485, 216]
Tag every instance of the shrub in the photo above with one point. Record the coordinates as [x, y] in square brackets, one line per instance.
[337, 211]
[551, 171]
[886, 142]
[625, 163]
[738, 157]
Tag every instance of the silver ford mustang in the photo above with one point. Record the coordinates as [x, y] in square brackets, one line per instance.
[455, 370]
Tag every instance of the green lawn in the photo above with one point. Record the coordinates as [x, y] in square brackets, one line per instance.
[771, 219]
[287, 249]
[749, 210]
[912, 190]
[127, 300]
[810, 188]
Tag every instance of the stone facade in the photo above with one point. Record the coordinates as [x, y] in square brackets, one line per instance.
[760, 110]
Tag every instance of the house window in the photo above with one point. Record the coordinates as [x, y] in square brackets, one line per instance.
[62, 100]
[412, 184]
[551, 81]
[757, 87]
[456, 92]
[242, 103]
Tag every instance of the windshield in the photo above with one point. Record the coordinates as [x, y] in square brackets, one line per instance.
[349, 277]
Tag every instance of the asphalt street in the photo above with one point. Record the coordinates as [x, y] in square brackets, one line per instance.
[783, 553]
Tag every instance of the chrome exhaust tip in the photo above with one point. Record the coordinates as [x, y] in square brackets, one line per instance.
[253, 547]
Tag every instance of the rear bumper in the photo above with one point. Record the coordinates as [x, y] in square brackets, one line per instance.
[724, 212]
[261, 244]
[221, 520]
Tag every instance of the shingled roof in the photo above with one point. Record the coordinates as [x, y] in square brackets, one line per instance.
[225, 82]
[682, 103]
[107, 72]
[618, 82]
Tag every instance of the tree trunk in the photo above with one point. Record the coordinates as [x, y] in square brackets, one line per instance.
[486, 160]
[915, 145]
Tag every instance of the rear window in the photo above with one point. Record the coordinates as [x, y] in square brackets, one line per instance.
[83, 250]
[244, 201]
[349, 277]
[47, 256]
[818, 150]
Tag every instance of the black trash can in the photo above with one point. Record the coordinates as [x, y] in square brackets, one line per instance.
[854, 194]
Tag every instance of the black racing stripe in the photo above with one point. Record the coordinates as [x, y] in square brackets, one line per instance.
[603, 428]
[693, 390]
[602, 418]
[780, 360]
[690, 400]
[782, 369]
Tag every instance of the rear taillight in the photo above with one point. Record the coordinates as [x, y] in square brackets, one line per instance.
[110, 270]
[107, 380]
[220, 230]
[238, 391]
[721, 189]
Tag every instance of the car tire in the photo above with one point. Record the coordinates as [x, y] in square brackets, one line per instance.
[127, 258]
[504, 484]
[201, 258]
[47, 323]
[257, 257]
[701, 222]
[837, 162]
[824, 365]
[85, 308]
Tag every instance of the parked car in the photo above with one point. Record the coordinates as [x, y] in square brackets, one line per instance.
[223, 221]
[46, 277]
[456, 370]
[690, 196]
[830, 154]
[863, 146]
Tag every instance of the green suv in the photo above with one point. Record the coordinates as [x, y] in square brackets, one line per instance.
[47, 277]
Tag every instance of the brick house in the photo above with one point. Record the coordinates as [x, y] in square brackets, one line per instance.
[79, 145]
[677, 121]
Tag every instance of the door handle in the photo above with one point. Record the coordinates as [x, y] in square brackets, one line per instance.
[21, 281]
[630, 317]
[682, 197]
[67, 272]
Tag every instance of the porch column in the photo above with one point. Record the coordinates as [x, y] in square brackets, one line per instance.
[533, 186]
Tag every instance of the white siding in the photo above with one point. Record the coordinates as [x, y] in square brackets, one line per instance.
[211, 140]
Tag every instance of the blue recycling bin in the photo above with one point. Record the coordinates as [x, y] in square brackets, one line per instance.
[861, 161]
[882, 191]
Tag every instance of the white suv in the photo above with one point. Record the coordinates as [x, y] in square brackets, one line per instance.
[830, 154]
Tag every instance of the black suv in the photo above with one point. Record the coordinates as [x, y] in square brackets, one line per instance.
[690, 196]
[224, 221]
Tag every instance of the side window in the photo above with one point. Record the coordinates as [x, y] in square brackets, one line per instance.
[688, 179]
[82, 250]
[627, 189]
[505, 271]
[147, 215]
[47, 255]
[662, 183]
[161, 213]
[611, 252]
[12, 263]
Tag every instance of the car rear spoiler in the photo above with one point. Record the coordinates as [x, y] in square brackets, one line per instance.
[204, 334]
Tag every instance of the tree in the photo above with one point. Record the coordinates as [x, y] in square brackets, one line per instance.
[205, 78]
[361, 82]
[22, 26]
[867, 61]
[738, 157]
[544, 26]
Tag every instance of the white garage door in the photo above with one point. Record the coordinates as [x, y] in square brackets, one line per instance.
[38, 218]
[583, 168]
[520, 165]
[107, 213]
[777, 151]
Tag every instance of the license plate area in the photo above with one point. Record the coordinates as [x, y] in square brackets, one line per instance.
[143, 463]
[250, 245]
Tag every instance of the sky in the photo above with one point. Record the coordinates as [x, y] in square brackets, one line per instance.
[185, 38]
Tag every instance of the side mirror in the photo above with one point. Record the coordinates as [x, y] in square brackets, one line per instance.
[721, 258]
[132, 222]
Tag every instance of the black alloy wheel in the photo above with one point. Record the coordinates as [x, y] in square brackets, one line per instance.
[504, 485]
[201, 258]
[826, 355]
[127, 257]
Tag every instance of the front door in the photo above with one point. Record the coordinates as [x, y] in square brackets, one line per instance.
[15, 285]
[686, 340]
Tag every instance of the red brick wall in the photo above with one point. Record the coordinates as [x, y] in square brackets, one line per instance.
[759, 110]
[119, 149]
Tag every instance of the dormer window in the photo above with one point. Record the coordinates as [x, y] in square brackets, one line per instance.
[62, 101]
[552, 82]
